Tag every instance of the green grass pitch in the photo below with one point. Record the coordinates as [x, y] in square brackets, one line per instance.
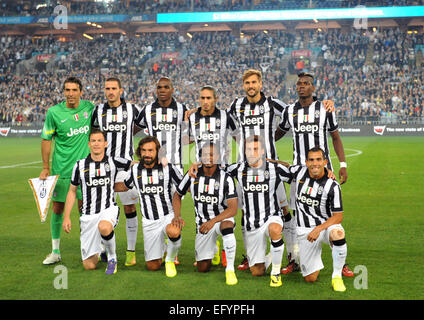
[384, 218]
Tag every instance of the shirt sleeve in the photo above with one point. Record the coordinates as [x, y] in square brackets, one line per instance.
[122, 164]
[284, 173]
[75, 177]
[140, 120]
[332, 124]
[49, 128]
[232, 169]
[230, 188]
[335, 198]
[184, 185]
[129, 181]
[175, 175]
[94, 119]
[284, 123]
[279, 106]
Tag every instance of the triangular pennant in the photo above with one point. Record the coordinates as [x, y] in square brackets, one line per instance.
[43, 190]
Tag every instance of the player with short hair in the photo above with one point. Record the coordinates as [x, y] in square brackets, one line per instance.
[96, 175]
[68, 125]
[262, 219]
[154, 182]
[116, 118]
[215, 203]
[310, 122]
[319, 213]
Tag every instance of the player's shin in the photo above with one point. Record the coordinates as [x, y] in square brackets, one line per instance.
[229, 243]
[110, 245]
[277, 250]
[339, 253]
[173, 245]
[132, 229]
[56, 227]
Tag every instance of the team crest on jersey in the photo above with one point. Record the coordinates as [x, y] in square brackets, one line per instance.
[86, 115]
[216, 185]
[218, 123]
[107, 167]
[266, 174]
[124, 114]
[317, 113]
[174, 113]
[261, 109]
[160, 175]
[320, 190]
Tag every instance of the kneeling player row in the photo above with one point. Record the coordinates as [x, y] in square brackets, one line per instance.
[216, 199]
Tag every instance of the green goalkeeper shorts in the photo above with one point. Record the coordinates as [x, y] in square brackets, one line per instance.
[61, 190]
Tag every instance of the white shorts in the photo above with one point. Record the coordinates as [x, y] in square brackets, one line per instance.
[128, 197]
[256, 241]
[281, 194]
[205, 244]
[154, 234]
[90, 235]
[310, 252]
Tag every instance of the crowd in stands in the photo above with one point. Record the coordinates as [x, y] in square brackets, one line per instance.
[46, 7]
[390, 87]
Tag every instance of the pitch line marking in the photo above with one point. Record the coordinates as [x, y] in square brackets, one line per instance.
[19, 165]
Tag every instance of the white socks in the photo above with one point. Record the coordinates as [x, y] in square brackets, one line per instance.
[229, 243]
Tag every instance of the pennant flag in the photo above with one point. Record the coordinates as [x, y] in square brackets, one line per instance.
[43, 190]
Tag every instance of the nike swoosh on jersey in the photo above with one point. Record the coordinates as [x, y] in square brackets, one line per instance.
[63, 120]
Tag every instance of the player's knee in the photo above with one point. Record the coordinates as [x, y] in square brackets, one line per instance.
[275, 231]
[337, 234]
[89, 265]
[154, 265]
[172, 231]
[204, 266]
[311, 278]
[227, 225]
[258, 270]
[105, 228]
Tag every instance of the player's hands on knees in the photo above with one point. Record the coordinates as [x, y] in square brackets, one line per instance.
[44, 174]
[178, 222]
[66, 225]
[342, 175]
[314, 234]
[194, 168]
[206, 227]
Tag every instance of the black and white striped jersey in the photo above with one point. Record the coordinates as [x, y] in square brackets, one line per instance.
[97, 180]
[309, 126]
[216, 128]
[316, 199]
[167, 125]
[258, 187]
[154, 188]
[258, 119]
[118, 124]
[210, 194]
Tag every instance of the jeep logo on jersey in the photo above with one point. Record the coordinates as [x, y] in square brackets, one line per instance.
[308, 128]
[308, 201]
[252, 121]
[165, 127]
[115, 127]
[152, 189]
[256, 187]
[206, 199]
[98, 182]
[208, 136]
[81, 130]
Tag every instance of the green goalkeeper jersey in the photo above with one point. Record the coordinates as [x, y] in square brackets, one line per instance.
[70, 129]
